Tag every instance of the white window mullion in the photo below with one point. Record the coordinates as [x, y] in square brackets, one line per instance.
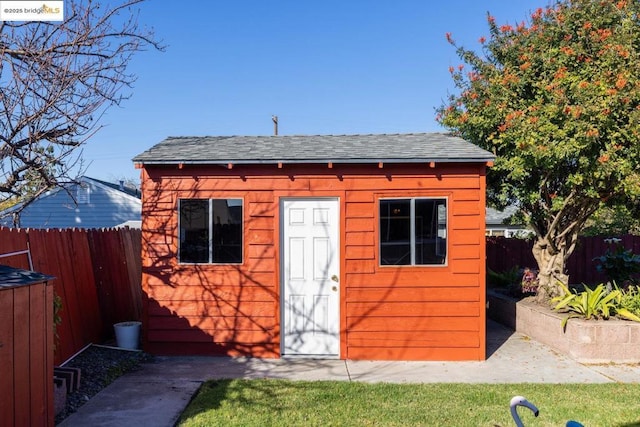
[412, 228]
[210, 231]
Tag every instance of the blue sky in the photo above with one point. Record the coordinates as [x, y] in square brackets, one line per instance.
[323, 67]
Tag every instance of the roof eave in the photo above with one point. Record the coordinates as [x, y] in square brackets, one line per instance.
[312, 161]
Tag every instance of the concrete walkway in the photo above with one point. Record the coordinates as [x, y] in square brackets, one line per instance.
[157, 394]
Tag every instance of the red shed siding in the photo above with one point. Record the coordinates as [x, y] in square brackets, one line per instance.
[419, 313]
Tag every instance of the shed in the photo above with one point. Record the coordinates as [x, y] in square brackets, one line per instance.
[26, 347]
[330, 246]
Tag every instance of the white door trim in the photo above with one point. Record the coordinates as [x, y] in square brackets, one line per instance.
[309, 277]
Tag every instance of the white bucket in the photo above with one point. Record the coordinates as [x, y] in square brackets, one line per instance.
[128, 334]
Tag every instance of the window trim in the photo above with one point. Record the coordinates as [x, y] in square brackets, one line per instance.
[412, 238]
[210, 224]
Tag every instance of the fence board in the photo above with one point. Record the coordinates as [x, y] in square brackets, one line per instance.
[83, 275]
[14, 240]
[102, 277]
[97, 273]
[66, 278]
[42, 262]
[7, 356]
[45, 250]
[504, 253]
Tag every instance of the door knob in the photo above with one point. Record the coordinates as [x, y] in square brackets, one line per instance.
[335, 278]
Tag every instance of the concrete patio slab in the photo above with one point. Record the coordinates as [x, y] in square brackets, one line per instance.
[157, 394]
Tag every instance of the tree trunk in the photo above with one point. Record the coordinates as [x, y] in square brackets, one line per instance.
[551, 266]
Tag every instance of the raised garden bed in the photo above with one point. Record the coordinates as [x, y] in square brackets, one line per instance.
[587, 341]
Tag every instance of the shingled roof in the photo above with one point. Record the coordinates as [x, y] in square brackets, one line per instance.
[389, 148]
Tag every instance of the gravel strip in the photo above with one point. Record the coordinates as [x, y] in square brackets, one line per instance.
[99, 366]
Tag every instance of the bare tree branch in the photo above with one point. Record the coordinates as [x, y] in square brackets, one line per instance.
[56, 81]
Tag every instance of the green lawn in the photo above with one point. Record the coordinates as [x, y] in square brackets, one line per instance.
[337, 403]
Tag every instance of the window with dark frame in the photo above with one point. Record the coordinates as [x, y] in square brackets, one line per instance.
[210, 231]
[413, 231]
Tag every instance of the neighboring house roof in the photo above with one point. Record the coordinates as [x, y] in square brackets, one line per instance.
[390, 148]
[496, 217]
[134, 192]
[498, 224]
[93, 204]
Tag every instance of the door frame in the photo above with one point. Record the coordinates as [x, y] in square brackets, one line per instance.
[282, 276]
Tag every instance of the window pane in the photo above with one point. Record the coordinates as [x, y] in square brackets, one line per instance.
[431, 231]
[194, 231]
[395, 232]
[227, 230]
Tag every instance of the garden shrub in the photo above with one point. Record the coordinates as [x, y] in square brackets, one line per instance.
[504, 279]
[630, 299]
[600, 302]
[516, 282]
[619, 264]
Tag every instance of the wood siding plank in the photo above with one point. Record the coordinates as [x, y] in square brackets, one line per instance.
[213, 336]
[360, 210]
[360, 252]
[446, 339]
[463, 207]
[249, 309]
[467, 222]
[262, 237]
[422, 353]
[228, 293]
[360, 238]
[261, 251]
[361, 309]
[360, 224]
[359, 196]
[466, 252]
[412, 324]
[465, 236]
[259, 223]
[209, 277]
[243, 323]
[414, 277]
[356, 267]
[415, 294]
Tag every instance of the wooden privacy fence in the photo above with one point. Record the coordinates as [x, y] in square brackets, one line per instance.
[97, 276]
[503, 254]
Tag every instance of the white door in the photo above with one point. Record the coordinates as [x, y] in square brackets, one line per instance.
[310, 275]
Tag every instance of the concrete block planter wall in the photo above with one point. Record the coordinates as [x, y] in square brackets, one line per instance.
[587, 341]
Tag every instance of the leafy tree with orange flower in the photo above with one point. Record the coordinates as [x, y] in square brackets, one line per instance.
[557, 99]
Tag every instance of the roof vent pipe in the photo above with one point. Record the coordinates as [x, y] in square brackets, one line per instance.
[275, 125]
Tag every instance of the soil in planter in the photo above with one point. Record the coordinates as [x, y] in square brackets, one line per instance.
[99, 366]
